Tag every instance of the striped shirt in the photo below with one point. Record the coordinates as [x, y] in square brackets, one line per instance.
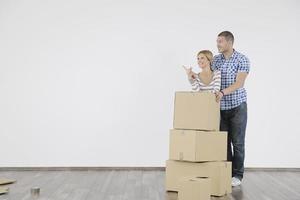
[198, 85]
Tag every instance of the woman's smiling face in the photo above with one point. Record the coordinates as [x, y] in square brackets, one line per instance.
[203, 62]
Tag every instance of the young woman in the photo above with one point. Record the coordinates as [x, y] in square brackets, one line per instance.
[207, 79]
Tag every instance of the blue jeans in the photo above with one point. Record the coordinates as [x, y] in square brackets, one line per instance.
[234, 121]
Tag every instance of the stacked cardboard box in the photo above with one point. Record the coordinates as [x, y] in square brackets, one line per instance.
[197, 166]
[3, 183]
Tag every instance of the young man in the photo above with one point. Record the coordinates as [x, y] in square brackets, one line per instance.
[234, 68]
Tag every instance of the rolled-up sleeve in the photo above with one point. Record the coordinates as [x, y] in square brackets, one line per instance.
[244, 64]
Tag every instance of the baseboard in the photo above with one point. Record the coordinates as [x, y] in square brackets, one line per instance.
[272, 169]
[127, 168]
[79, 168]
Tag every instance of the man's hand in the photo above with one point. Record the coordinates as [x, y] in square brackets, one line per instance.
[239, 83]
[219, 96]
[189, 72]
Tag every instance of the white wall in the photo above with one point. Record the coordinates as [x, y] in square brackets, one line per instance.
[91, 83]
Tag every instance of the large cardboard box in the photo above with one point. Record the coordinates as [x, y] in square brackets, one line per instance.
[198, 146]
[219, 173]
[197, 188]
[196, 110]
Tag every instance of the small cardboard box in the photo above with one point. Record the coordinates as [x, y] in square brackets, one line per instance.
[197, 188]
[198, 146]
[196, 110]
[219, 173]
[5, 181]
[4, 190]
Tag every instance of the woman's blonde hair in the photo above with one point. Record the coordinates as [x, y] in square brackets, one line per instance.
[208, 54]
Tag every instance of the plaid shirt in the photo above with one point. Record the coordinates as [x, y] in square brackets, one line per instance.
[229, 69]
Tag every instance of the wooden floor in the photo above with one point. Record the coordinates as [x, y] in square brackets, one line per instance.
[138, 185]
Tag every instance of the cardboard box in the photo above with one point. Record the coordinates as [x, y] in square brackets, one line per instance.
[4, 190]
[197, 188]
[5, 181]
[197, 146]
[196, 110]
[219, 173]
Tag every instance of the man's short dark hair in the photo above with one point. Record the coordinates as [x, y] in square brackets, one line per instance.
[228, 35]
